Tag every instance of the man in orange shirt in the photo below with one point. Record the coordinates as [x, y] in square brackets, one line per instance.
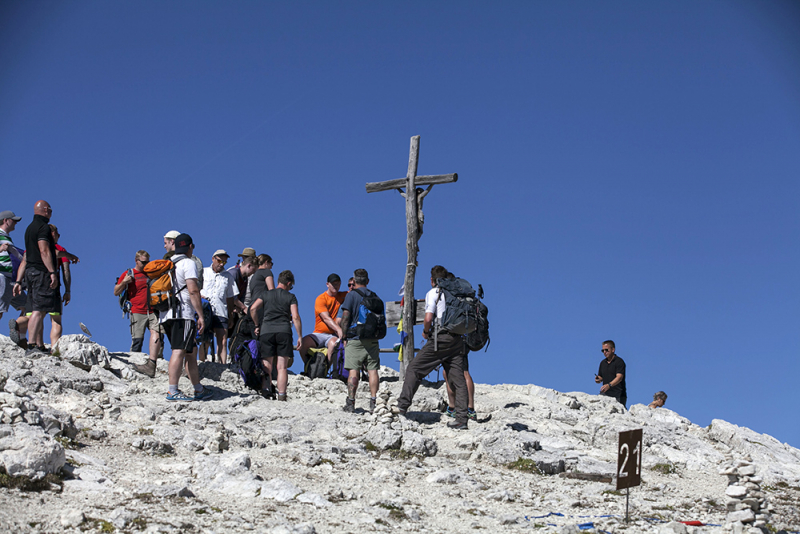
[327, 331]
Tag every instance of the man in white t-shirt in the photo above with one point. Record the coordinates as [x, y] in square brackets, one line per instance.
[179, 322]
[447, 351]
[220, 289]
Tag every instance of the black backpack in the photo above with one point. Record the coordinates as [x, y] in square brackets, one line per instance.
[338, 372]
[370, 321]
[316, 364]
[480, 337]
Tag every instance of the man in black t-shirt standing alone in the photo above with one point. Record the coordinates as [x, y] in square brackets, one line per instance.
[40, 269]
[612, 374]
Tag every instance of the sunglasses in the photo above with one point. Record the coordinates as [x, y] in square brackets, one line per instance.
[350, 285]
[605, 350]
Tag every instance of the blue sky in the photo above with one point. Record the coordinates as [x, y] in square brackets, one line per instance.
[627, 170]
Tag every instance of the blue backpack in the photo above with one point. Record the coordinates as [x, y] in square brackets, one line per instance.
[370, 322]
[247, 363]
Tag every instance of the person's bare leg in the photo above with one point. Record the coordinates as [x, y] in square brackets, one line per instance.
[155, 344]
[374, 383]
[36, 327]
[55, 329]
[352, 383]
[283, 374]
[191, 367]
[22, 324]
[308, 343]
[222, 344]
[176, 366]
[331, 346]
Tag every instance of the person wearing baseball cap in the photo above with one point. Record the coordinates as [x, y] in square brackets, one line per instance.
[180, 325]
[169, 243]
[9, 256]
[327, 331]
[219, 289]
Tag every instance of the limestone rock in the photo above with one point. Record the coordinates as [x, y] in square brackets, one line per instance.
[82, 352]
[28, 451]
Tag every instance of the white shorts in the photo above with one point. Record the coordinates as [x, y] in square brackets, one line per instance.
[321, 339]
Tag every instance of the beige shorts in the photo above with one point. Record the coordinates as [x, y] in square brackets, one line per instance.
[357, 352]
[141, 322]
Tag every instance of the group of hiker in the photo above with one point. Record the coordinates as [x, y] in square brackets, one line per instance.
[246, 311]
[250, 314]
[31, 279]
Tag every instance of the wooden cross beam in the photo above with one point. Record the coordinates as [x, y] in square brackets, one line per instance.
[414, 222]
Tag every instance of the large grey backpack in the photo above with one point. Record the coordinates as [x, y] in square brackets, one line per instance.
[460, 315]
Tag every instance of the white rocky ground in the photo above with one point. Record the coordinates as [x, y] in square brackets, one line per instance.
[119, 457]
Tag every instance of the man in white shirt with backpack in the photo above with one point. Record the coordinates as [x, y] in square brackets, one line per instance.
[442, 348]
[179, 322]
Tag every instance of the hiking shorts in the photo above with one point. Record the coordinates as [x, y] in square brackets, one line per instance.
[181, 334]
[321, 340]
[141, 322]
[219, 322]
[7, 298]
[40, 297]
[357, 352]
[276, 344]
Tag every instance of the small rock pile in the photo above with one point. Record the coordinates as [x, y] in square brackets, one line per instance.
[383, 408]
[746, 503]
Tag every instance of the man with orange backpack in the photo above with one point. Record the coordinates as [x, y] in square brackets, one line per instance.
[133, 283]
[174, 291]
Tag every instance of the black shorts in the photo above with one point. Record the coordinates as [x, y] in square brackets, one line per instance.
[276, 344]
[218, 322]
[181, 334]
[40, 297]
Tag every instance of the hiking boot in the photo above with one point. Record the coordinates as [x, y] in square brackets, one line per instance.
[148, 368]
[349, 405]
[179, 397]
[282, 397]
[43, 349]
[372, 405]
[457, 426]
[450, 412]
[472, 415]
[398, 411]
[203, 394]
[33, 351]
[267, 393]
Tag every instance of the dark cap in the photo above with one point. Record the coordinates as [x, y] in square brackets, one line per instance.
[182, 243]
[333, 277]
[9, 215]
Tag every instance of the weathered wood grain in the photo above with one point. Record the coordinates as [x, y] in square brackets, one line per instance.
[374, 187]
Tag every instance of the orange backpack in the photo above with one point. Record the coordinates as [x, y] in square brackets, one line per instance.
[160, 294]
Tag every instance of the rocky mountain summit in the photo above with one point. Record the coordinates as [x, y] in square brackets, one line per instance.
[88, 445]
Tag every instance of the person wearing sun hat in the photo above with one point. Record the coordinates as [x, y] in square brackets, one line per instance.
[219, 289]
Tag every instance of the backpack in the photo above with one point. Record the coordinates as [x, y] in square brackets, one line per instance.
[161, 295]
[370, 322]
[208, 332]
[460, 315]
[480, 337]
[242, 333]
[16, 261]
[199, 264]
[317, 363]
[247, 364]
[338, 371]
[124, 301]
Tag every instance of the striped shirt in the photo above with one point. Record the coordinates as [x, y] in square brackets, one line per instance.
[5, 258]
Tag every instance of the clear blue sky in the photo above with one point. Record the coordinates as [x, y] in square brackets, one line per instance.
[627, 170]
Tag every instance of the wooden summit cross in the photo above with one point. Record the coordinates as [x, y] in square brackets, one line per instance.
[414, 221]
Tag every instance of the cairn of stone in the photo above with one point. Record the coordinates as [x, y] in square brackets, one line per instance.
[746, 502]
[383, 408]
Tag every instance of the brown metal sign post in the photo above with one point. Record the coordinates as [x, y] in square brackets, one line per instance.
[629, 463]
[414, 221]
